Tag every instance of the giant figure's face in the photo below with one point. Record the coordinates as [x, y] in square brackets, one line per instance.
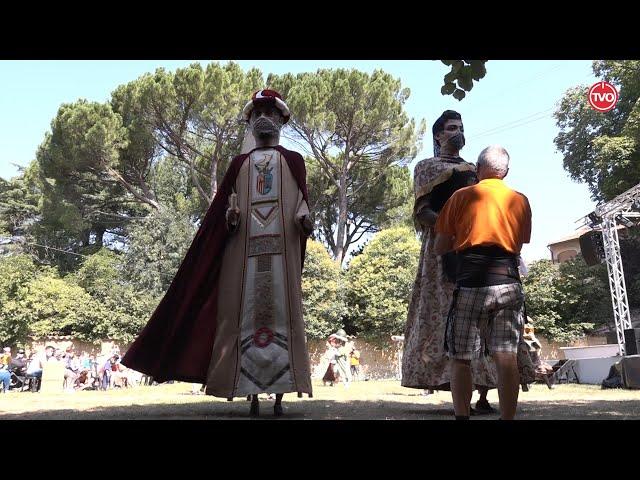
[266, 121]
[453, 134]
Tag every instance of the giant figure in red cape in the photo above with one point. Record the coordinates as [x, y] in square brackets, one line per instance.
[232, 317]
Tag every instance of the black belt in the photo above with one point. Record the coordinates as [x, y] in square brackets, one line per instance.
[474, 275]
[506, 271]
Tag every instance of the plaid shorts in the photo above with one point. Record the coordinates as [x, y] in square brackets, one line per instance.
[485, 319]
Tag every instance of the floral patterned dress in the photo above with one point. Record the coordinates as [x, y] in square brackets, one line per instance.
[425, 364]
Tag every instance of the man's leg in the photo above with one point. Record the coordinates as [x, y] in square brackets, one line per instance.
[463, 344]
[461, 387]
[508, 383]
[277, 407]
[506, 328]
[254, 409]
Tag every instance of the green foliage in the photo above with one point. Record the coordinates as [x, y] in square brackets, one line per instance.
[137, 173]
[379, 283]
[462, 73]
[585, 293]
[602, 149]
[37, 302]
[55, 307]
[19, 201]
[322, 292]
[90, 305]
[190, 114]
[353, 125]
[567, 301]
[630, 251]
[15, 274]
[156, 248]
[100, 275]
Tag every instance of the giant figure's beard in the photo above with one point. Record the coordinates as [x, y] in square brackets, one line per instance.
[265, 128]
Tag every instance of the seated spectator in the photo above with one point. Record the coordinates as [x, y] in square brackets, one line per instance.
[72, 369]
[18, 369]
[18, 365]
[85, 361]
[35, 365]
[6, 355]
[84, 381]
[119, 375]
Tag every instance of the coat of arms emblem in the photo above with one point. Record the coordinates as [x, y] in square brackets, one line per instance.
[264, 182]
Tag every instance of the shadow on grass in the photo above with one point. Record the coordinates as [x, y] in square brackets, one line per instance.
[314, 409]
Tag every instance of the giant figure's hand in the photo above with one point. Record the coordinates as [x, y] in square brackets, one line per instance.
[306, 224]
[233, 218]
[427, 217]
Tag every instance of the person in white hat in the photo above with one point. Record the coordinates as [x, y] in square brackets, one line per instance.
[339, 342]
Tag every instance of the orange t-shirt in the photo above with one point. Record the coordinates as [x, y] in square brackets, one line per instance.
[488, 213]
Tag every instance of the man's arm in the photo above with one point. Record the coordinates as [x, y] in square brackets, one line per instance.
[527, 222]
[443, 244]
[424, 214]
[303, 220]
[445, 227]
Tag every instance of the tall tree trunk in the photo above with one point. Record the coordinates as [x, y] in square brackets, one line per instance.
[84, 237]
[100, 236]
[339, 251]
[214, 177]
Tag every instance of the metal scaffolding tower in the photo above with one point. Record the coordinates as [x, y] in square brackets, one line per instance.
[623, 210]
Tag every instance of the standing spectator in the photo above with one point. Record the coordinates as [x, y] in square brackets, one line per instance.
[93, 371]
[330, 374]
[355, 362]
[105, 373]
[341, 367]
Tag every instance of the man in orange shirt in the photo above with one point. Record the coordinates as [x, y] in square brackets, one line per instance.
[486, 224]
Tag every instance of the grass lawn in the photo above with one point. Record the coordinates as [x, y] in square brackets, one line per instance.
[363, 400]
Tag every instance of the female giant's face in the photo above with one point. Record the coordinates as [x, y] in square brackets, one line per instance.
[453, 132]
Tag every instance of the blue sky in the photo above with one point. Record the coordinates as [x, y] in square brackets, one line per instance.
[512, 106]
